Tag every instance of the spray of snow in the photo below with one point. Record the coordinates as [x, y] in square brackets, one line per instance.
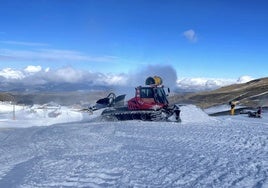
[166, 72]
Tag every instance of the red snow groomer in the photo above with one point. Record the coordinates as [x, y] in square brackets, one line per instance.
[151, 97]
[150, 103]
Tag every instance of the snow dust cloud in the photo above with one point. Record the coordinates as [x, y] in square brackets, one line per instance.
[166, 72]
[137, 78]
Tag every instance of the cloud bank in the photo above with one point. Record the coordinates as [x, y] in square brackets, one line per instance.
[34, 75]
[199, 84]
[39, 76]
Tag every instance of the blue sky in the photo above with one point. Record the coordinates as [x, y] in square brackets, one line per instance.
[208, 38]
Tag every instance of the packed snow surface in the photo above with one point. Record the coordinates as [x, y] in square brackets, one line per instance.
[202, 151]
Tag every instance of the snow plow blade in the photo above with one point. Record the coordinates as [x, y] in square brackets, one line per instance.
[110, 101]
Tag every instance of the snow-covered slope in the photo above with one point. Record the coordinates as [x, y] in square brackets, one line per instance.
[37, 115]
[200, 152]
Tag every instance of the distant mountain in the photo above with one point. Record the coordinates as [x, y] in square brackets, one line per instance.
[50, 87]
[252, 94]
[62, 98]
[6, 97]
[61, 93]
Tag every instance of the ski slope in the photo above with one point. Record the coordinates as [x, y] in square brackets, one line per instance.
[202, 151]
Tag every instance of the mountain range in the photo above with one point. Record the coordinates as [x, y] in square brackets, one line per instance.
[252, 94]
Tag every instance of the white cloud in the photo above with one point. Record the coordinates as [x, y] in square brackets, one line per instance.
[195, 84]
[244, 79]
[32, 75]
[32, 69]
[11, 74]
[111, 79]
[190, 35]
[47, 69]
[67, 74]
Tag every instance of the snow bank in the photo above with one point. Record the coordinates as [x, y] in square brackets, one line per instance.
[38, 115]
[6, 107]
[193, 114]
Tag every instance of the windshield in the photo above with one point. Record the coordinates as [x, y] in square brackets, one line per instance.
[147, 92]
[160, 96]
